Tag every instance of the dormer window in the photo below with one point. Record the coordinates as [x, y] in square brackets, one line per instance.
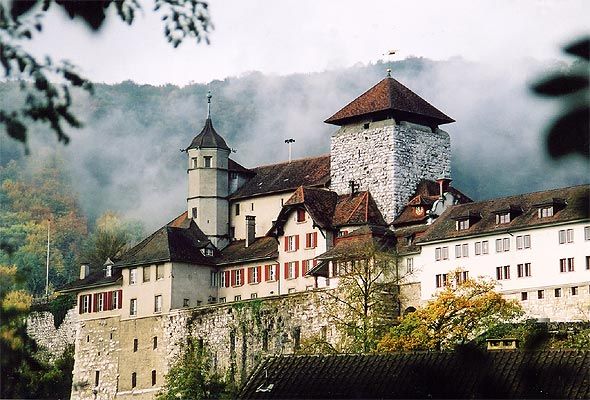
[544, 212]
[464, 221]
[207, 251]
[109, 271]
[506, 215]
[300, 215]
[503, 218]
[463, 225]
[550, 207]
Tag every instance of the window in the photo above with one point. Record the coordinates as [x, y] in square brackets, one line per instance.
[587, 262]
[523, 270]
[503, 272]
[527, 241]
[587, 233]
[461, 277]
[292, 243]
[499, 247]
[485, 248]
[441, 253]
[557, 292]
[462, 225]
[222, 280]
[574, 290]
[441, 280]
[153, 377]
[291, 270]
[458, 251]
[253, 295]
[545, 212]
[207, 160]
[566, 264]
[570, 235]
[342, 233]
[238, 298]
[158, 303]
[135, 345]
[133, 307]
[540, 294]
[159, 271]
[207, 251]
[213, 279]
[236, 277]
[116, 299]
[503, 218]
[96, 378]
[109, 271]
[506, 243]
[239, 277]
[194, 212]
[465, 251]
[237, 208]
[233, 175]
[254, 275]
[146, 273]
[561, 236]
[566, 236]
[300, 215]
[194, 162]
[85, 300]
[502, 245]
[306, 266]
[519, 243]
[524, 296]
[270, 272]
[311, 239]
[155, 343]
[133, 380]
[251, 206]
[133, 276]
[101, 301]
[477, 248]
[222, 299]
[409, 265]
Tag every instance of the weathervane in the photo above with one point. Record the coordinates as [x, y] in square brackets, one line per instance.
[389, 53]
[290, 142]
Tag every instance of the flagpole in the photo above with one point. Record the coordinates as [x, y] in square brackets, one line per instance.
[47, 264]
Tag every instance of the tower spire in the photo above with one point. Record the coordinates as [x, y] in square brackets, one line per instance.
[209, 104]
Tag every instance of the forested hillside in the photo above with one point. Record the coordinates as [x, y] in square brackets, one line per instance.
[127, 157]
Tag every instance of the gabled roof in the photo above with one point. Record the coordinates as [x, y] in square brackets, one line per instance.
[97, 278]
[464, 374]
[286, 176]
[357, 243]
[208, 138]
[357, 209]
[169, 243]
[427, 192]
[389, 98]
[577, 207]
[263, 248]
[319, 203]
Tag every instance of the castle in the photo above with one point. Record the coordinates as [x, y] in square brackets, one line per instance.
[276, 232]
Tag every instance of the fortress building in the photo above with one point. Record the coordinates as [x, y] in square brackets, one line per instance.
[276, 232]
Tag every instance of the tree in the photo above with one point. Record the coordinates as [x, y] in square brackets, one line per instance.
[366, 296]
[459, 313]
[111, 239]
[190, 377]
[49, 102]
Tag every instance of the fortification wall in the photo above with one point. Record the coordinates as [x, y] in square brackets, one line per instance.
[41, 327]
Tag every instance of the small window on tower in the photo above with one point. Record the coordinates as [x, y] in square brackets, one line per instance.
[194, 163]
[237, 208]
[194, 212]
[207, 161]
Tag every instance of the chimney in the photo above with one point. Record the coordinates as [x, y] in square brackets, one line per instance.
[443, 185]
[250, 229]
[84, 270]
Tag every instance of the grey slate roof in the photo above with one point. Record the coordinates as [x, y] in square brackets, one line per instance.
[94, 279]
[465, 374]
[208, 138]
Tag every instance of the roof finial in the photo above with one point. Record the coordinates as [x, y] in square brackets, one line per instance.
[209, 104]
[389, 72]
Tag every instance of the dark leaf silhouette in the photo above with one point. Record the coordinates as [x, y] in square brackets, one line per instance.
[570, 134]
[560, 85]
[580, 48]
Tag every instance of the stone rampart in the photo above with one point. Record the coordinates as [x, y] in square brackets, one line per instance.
[41, 327]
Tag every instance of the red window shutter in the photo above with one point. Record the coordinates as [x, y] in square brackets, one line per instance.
[242, 274]
[80, 305]
[250, 275]
[286, 270]
[307, 240]
[233, 277]
[315, 239]
[107, 301]
[315, 262]
[304, 265]
[95, 302]
[266, 272]
[296, 269]
[296, 242]
[120, 299]
[286, 243]
[227, 279]
[259, 273]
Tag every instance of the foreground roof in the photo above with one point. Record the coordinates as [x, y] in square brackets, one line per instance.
[97, 278]
[286, 176]
[572, 203]
[389, 98]
[463, 374]
[263, 248]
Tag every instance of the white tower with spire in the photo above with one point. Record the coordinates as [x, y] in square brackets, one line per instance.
[207, 200]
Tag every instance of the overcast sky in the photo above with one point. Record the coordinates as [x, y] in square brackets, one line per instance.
[289, 36]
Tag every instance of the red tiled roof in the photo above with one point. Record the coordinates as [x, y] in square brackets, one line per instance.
[357, 208]
[286, 176]
[389, 98]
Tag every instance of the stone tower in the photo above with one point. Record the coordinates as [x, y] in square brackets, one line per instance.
[207, 200]
[387, 142]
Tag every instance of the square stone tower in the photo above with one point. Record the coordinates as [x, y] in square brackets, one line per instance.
[388, 141]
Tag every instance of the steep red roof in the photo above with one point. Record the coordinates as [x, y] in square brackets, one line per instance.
[355, 209]
[389, 98]
[286, 176]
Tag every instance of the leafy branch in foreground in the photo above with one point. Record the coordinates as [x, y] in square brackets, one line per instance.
[46, 85]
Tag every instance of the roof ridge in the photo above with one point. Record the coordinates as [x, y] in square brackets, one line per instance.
[356, 207]
[292, 161]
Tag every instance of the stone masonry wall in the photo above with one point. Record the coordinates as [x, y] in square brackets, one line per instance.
[389, 160]
[40, 326]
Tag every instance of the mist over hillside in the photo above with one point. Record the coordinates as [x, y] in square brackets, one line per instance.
[127, 157]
